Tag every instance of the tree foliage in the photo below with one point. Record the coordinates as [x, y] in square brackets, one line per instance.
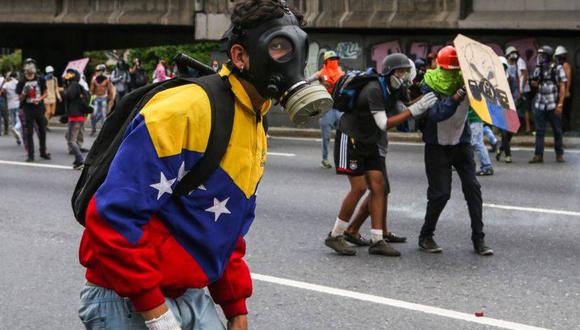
[11, 62]
[150, 56]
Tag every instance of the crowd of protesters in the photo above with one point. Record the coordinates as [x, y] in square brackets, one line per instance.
[454, 137]
[542, 96]
[29, 99]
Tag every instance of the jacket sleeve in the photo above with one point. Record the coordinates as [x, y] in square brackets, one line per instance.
[235, 285]
[443, 109]
[138, 184]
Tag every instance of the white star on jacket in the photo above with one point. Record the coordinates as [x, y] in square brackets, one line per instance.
[219, 208]
[164, 186]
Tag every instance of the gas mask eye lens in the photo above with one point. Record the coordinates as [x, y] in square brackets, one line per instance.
[279, 48]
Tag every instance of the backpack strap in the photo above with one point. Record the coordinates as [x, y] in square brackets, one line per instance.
[222, 122]
[384, 87]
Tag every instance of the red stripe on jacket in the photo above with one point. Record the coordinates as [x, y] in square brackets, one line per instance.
[157, 266]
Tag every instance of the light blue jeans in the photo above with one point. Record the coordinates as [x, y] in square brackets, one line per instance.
[478, 145]
[102, 308]
[328, 122]
[100, 111]
[487, 132]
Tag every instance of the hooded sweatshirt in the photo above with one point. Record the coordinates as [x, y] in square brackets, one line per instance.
[446, 122]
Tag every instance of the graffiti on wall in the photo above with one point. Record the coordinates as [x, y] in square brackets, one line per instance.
[348, 50]
[420, 49]
[355, 57]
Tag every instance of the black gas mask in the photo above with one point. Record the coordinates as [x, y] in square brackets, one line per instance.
[278, 51]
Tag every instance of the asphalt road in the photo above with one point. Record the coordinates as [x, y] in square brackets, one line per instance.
[533, 279]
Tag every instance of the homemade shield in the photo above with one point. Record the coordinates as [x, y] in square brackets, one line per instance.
[78, 65]
[486, 84]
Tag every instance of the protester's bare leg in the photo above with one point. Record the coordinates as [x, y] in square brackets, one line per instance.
[358, 187]
[385, 228]
[375, 180]
[360, 217]
[527, 117]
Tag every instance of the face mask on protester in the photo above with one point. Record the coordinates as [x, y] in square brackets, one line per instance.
[278, 50]
[513, 56]
[332, 64]
[29, 68]
[397, 80]
[543, 60]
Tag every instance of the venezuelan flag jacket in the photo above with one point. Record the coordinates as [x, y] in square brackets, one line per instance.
[144, 244]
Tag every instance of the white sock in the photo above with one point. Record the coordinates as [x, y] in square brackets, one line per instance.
[376, 235]
[339, 227]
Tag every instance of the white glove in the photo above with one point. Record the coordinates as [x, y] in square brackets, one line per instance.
[424, 104]
[166, 321]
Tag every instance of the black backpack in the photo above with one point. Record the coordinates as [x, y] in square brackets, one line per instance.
[349, 86]
[85, 97]
[109, 139]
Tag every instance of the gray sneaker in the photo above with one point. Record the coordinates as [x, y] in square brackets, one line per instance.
[428, 244]
[383, 248]
[339, 245]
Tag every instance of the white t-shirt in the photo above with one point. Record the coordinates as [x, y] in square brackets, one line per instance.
[11, 97]
[524, 85]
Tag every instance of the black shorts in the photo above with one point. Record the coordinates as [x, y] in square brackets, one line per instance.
[353, 158]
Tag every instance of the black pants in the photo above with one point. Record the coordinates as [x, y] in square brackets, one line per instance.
[567, 115]
[506, 139]
[438, 162]
[35, 114]
[4, 116]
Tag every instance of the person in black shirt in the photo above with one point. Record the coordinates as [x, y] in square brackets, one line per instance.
[32, 91]
[357, 155]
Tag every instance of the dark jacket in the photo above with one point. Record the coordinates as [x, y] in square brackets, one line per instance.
[72, 99]
[446, 122]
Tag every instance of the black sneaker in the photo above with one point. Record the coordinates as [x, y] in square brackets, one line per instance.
[45, 155]
[78, 165]
[29, 159]
[428, 244]
[357, 240]
[480, 247]
[384, 249]
[486, 172]
[339, 245]
[392, 238]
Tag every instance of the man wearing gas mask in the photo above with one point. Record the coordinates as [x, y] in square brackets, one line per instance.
[550, 80]
[149, 254]
[360, 151]
[447, 140]
[32, 91]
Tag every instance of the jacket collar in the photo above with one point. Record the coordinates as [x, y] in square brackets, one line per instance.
[241, 95]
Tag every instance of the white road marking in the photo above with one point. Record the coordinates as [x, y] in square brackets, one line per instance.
[395, 303]
[289, 138]
[532, 209]
[415, 144]
[60, 167]
[281, 154]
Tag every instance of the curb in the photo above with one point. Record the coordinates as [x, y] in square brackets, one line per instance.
[520, 141]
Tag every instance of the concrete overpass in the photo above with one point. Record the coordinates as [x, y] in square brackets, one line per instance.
[362, 31]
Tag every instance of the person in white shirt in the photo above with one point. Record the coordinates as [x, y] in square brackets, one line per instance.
[13, 102]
